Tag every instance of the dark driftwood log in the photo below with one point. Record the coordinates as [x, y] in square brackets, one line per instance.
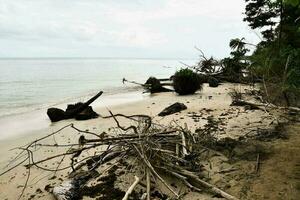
[174, 108]
[86, 114]
[80, 111]
[155, 86]
[72, 113]
[56, 114]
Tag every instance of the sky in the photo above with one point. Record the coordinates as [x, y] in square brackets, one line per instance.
[121, 28]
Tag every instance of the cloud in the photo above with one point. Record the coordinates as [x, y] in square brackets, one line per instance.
[167, 27]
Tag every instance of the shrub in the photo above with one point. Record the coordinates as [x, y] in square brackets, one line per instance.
[185, 81]
[236, 95]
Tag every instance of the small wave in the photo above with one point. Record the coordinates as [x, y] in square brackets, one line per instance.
[31, 107]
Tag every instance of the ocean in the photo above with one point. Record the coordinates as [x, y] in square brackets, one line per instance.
[36, 84]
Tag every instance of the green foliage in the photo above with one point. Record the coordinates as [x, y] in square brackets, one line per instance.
[263, 14]
[277, 58]
[292, 2]
[208, 66]
[237, 44]
[185, 81]
[235, 64]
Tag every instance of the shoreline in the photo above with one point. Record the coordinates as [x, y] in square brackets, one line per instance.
[27, 128]
[18, 125]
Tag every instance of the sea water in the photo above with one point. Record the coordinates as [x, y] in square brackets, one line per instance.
[28, 85]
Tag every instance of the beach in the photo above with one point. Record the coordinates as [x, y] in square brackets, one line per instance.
[235, 123]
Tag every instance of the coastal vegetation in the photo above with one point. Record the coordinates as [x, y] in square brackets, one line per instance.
[185, 81]
[275, 60]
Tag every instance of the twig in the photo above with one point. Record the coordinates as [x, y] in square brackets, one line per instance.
[257, 163]
[131, 188]
[211, 187]
[148, 183]
[154, 172]
[184, 148]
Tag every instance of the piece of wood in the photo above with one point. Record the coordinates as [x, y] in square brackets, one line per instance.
[211, 187]
[185, 181]
[148, 180]
[148, 164]
[257, 163]
[182, 178]
[252, 106]
[177, 152]
[174, 108]
[72, 113]
[227, 170]
[184, 151]
[81, 111]
[131, 188]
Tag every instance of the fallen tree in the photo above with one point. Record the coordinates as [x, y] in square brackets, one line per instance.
[79, 111]
[153, 85]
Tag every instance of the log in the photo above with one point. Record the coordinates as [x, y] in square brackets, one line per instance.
[155, 86]
[73, 112]
[56, 114]
[80, 111]
[174, 108]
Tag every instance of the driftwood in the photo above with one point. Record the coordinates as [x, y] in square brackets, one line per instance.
[174, 108]
[148, 181]
[153, 85]
[79, 111]
[73, 112]
[130, 190]
[154, 149]
[248, 105]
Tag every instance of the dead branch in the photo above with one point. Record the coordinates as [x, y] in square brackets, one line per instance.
[257, 163]
[131, 188]
[151, 147]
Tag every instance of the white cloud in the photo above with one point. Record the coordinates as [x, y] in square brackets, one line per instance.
[140, 26]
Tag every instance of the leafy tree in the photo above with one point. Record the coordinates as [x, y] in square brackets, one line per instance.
[235, 64]
[263, 14]
[277, 58]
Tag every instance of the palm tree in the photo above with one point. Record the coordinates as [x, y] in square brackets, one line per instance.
[237, 44]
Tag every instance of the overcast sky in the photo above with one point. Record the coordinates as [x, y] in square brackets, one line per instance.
[120, 28]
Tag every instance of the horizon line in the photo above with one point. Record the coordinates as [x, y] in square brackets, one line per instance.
[108, 58]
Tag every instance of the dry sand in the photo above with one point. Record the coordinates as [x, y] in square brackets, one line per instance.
[236, 122]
